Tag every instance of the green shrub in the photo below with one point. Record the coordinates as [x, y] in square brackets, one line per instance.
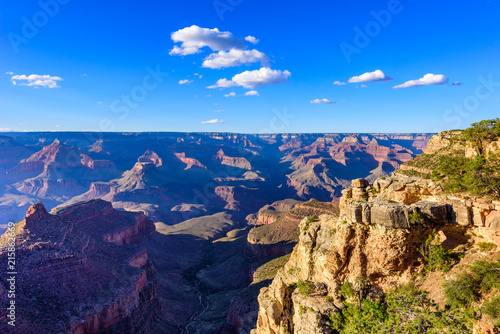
[487, 274]
[487, 246]
[492, 308]
[347, 290]
[416, 218]
[436, 257]
[468, 287]
[461, 292]
[305, 288]
[405, 310]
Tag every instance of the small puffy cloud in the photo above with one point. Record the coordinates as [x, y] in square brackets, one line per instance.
[252, 93]
[235, 57]
[4, 129]
[194, 38]
[428, 79]
[255, 78]
[230, 94]
[219, 110]
[223, 83]
[185, 81]
[35, 80]
[84, 75]
[377, 75]
[251, 39]
[339, 83]
[58, 126]
[457, 83]
[363, 86]
[213, 121]
[322, 101]
[100, 102]
[9, 73]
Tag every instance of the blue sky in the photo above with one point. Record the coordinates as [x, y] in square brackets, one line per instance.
[75, 69]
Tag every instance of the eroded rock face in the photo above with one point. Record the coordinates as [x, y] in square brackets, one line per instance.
[83, 270]
[332, 251]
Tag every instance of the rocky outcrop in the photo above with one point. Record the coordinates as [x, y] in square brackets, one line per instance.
[83, 271]
[239, 162]
[462, 209]
[151, 157]
[279, 237]
[332, 251]
[374, 244]
[190, 162]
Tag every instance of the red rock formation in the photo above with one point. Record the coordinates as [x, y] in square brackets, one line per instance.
[239, 162]
[152, 157]
[83, 270]
[190, 162]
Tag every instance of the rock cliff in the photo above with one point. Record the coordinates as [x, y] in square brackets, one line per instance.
[82, 269]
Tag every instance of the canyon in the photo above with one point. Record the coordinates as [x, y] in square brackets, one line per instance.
[162, 218]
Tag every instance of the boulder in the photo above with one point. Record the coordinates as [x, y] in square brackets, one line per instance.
[493, 221]
[347, 193]
[355, 212]
[396, 186]
[460, 214]
[359, 212]
[390, 214]
[384, 183]
[434, 212]
[477, 217]
[359, 193]
[359, 183]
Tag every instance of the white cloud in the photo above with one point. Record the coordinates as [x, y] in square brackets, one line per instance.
[322, 101]
[9, 73]
[213, 121]
[428, 79]
[185, 81]
[235, 57]
[252, 79]
[194, 38]
[363, 86]
[4, 129]
[457, 83]
[252, 93]
[84, 75]
[339, 83]
[219, 110]
[223, 83]
[58, 126]
[377, 75]
[36, 80]
[230, 94]
[251, 39]
[100, 102]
